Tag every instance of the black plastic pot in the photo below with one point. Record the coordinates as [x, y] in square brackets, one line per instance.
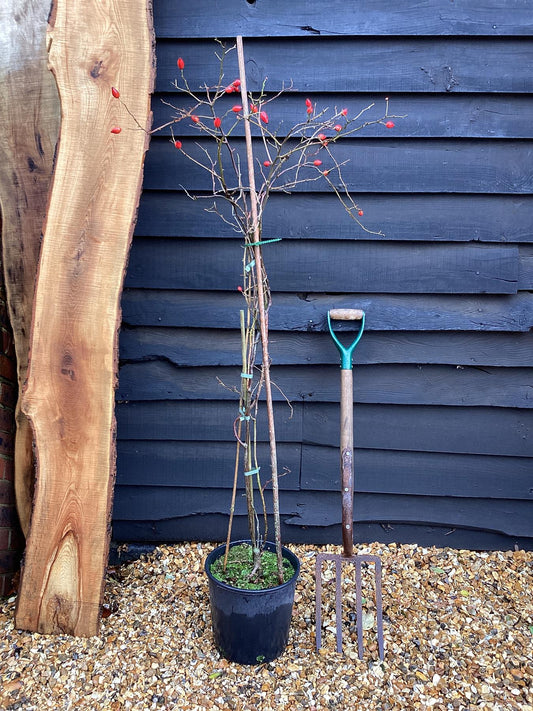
[251, 626]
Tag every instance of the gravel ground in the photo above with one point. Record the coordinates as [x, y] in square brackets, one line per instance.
[458, 635]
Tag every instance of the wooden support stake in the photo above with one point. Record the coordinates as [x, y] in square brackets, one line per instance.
[69, 399]
[263, 322]
[29, 128]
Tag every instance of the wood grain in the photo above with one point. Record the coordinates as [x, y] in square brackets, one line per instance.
[306, 311]
[70, 393]
[374, 165]
[225, 18]
[417, 428]
[376, 470]
[510, 517]
[356, 266]
[468, 115]
[410, 217]
[29, 128]
[194, 347]
[431, 65]
[387, 384]
[212, 527]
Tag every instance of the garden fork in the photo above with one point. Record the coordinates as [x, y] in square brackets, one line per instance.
[347, 484]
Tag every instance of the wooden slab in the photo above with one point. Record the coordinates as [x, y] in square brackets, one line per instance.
[70, 393]
[29, 127]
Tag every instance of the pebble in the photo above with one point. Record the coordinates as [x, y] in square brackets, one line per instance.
[458, 636]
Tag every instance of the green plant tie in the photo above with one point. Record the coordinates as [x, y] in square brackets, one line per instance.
[264, 241]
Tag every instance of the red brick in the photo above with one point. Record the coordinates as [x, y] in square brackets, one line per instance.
[5, 584]
[7, 443]
[9, 561]
[8, 517]
[7, 419]
[7, 368]
[5, 539]
[7, 343]
[7, 468]
[8, 394]
[17, 542]
[7, 493]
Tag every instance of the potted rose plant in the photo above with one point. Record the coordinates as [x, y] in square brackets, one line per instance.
[252, 583]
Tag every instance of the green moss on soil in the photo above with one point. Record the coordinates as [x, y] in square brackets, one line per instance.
[240, 565]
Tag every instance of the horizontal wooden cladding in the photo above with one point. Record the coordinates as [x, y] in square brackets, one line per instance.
[422, 115]
[410, 64]
[420, 473]
[505, 516]
[199, 464]
[307, 311]
[385, 267]
[213, 527]
[385, 384]
[278, 18]
[371, 165]
[194, 347]
[313, 468]
[502, 515]
[401, 217]
[484, 430]
[184, 420]
[415, 428]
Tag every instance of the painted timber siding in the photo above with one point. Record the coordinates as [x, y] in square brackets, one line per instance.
[443, 379]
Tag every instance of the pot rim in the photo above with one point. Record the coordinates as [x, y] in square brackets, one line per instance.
[287, 553]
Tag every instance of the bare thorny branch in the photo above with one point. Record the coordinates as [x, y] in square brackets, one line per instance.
[292, 160]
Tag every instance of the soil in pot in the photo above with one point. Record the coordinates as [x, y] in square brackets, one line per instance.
[251, 626]
[240, 573]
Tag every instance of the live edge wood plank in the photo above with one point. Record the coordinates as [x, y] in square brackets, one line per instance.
[70, 392]
[29, 127]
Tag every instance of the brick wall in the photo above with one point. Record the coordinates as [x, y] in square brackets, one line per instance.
[11, 539]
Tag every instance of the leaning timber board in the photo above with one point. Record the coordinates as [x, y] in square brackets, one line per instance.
[29, 128]
[70, 392]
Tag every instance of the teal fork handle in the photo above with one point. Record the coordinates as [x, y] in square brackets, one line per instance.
[346, 315]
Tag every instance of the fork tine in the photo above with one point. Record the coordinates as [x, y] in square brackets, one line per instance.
[359, 607]
[379, 610]
[318, 600]
[338, 602]
[357, 560]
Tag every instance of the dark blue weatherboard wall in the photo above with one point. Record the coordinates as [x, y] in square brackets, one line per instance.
[443, 379]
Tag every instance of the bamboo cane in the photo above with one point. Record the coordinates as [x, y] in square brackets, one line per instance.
[262, 315]
[238, 450]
